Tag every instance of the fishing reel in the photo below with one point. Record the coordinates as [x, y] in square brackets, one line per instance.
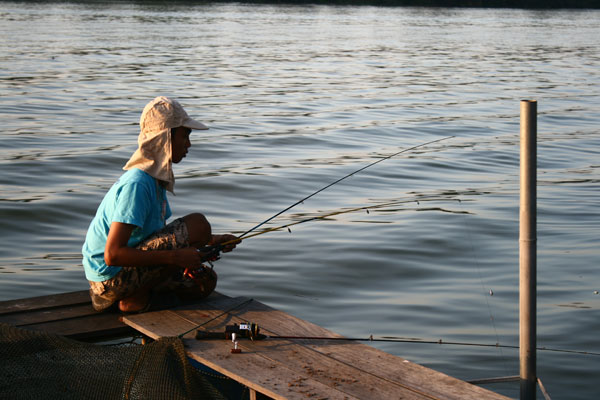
[209, 254]
[197, 274]
[247, 330]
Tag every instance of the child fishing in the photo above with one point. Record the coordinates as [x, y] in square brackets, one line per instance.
[130, 252]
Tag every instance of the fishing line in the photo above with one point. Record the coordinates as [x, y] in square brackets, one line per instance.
[420, 341]
[220, 315]
[340, 212]
[337, 181]
[212, 251]
[485, 292]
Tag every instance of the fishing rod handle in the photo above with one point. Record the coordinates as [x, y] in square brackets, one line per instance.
[200, 335]
[210, 253]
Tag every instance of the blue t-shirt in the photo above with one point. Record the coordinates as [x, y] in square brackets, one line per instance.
[136, 199]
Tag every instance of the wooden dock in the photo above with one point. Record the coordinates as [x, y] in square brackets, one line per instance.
[298, 369]
[276, 368]
[67, 314]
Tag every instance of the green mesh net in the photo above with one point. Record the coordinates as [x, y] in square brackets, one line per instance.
[38, 365]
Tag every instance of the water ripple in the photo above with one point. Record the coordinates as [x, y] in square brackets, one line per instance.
[297, 97]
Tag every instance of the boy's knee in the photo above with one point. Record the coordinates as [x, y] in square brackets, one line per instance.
[199, 230]
[196, 219]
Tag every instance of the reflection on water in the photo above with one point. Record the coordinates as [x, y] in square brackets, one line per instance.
[297, 97]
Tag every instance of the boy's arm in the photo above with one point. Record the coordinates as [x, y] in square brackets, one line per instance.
[117, 253]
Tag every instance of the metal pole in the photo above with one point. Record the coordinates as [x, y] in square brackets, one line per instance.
[527, 251]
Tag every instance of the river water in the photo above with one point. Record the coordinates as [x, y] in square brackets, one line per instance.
[297, 97]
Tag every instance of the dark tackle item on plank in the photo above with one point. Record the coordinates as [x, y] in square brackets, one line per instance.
[242, 330]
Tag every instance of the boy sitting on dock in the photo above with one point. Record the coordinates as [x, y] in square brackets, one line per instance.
[129, 251]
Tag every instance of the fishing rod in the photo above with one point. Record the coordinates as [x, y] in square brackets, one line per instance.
[337, 181]
[340, 212]
[240, 305]
[420, 341]
[211, 253]
[251, 331]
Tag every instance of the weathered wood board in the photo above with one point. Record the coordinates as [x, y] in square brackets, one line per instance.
[68, 314]
[299, 369]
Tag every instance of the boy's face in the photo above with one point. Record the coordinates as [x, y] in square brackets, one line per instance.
[180, 142]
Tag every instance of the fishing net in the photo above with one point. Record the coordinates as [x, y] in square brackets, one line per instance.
[38, 365]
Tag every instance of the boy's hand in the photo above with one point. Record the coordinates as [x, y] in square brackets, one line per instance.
[228, 242]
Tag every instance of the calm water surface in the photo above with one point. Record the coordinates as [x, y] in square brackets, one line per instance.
[297, 97]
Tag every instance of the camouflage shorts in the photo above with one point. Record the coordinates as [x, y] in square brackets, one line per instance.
[130, 279]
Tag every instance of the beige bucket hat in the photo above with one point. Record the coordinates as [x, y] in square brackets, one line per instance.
[165, 113]
[153, 155]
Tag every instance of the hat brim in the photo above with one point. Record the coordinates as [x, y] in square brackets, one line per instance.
[193, 124]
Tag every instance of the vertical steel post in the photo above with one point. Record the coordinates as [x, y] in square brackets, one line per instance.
[527, 250]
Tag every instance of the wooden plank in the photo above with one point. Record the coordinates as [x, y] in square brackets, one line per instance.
[418, 377]
[327, 370]
[86, 328]
[301, 359]
[349, 368]
[38, 316]
[169, 323]
[337, 361]
[367, 358]
[159, 324]
[44, 302]
[247, 368]
[68, 314]
[251, 369]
